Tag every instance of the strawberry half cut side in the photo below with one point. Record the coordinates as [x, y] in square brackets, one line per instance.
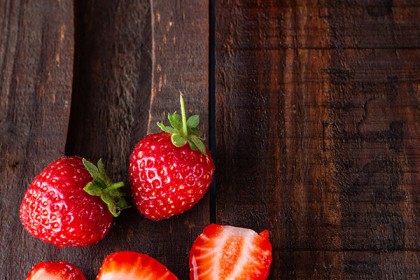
[227, 252]
[128, 265]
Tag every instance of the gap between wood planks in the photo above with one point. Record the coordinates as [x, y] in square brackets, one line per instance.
[212, 104]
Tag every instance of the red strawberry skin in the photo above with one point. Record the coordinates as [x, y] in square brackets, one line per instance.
[55, 271]
[57, 210]
[128, 265]
[226, 252]
[167, 180]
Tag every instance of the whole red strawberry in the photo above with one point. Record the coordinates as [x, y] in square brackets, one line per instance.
[170, 171]
[55, 271]
[71, 203]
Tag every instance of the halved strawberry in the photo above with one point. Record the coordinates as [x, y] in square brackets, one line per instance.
[226, 252]
[128, 265]
[59, 270]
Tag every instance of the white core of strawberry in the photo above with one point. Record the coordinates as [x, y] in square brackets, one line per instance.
[215, 253]
[246, 250]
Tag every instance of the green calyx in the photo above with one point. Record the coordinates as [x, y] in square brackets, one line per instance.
[102, 186]
[184, 130]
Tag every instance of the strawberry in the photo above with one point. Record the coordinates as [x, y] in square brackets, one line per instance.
[170, 171]
[226, 252]
[71, 203]
[127, 265]
[55, 271]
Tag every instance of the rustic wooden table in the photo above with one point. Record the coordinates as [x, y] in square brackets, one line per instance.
[312, 111]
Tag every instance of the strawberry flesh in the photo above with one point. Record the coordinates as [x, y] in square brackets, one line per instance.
[226, 252]
[134, 266]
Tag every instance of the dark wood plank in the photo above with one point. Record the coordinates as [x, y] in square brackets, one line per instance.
[110, 107]
[179, 64]
[317, 112]
[180, 59]
[36, 65]
[303, 264]
[133, 58]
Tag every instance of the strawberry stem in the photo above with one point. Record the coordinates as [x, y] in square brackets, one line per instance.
[183, 116]
[102, 186]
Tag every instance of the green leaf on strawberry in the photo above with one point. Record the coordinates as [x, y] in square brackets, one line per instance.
[102, 186]
[184, 130]
[193, 121]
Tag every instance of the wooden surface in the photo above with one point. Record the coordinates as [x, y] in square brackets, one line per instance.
[133, 59]
[316, 123]
[36, 64]
[317, 126]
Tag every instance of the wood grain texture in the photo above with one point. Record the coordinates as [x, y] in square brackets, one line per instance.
[317, 119]
[317, 113]
[133, 58]
[301, 264]
[36, 64]
[109, 109]
[179, 65]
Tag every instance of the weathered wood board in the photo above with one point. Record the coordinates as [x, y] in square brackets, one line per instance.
[133, 60]
[130, 61]
[36, 64]
[316, 123]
